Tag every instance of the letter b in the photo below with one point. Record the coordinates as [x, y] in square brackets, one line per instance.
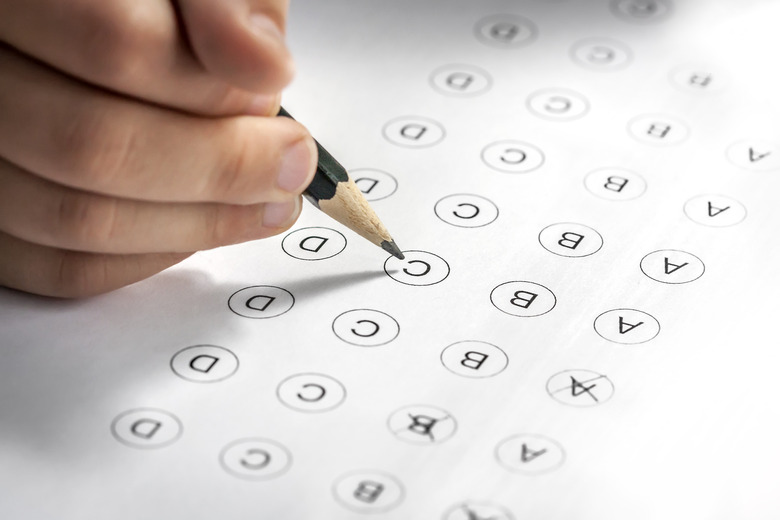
[569, 241]
[473, 359]
[368, 491]
[523, 299]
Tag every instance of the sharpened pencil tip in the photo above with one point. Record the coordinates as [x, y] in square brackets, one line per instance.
[393, 249]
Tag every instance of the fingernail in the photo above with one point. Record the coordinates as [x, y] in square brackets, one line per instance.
[266, 28]
[296, 166]
[279, 214]
[263, 105]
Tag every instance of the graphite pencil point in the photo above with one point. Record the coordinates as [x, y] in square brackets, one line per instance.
[392, 248]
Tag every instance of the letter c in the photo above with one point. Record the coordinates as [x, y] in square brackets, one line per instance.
[558, 105]
[472, 215]
[425, 271]
[376, 329]
[264, 460]
[519, 156]
[320, 395]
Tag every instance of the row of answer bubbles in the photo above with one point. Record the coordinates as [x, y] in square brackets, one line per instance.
[372, 328]
[613, 183]
[562, 104]
[569, 239]
[518, 298]
[514, 156]
[417, 424]
[314, 392]
[512, 31]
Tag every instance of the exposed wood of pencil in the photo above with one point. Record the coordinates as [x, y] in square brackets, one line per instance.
[351, 208]
[337, 195]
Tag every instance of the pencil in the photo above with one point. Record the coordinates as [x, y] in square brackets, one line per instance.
[336, 194]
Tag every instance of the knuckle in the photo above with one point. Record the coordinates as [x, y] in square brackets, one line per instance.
[227, 224]
[236, 180]
[122, 35]
[78, 275]
[85, 222]
[215, 228]
[222, 99]
[94, 150]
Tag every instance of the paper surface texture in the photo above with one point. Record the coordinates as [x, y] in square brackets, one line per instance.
[585, 327]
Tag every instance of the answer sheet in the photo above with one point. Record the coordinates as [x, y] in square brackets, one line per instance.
[584, 326]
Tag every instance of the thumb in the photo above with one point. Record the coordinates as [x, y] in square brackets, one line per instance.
[240, 41]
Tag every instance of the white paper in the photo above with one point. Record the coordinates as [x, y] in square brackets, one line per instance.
[686, 423]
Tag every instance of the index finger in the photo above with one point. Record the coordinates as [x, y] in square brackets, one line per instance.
[144, 49]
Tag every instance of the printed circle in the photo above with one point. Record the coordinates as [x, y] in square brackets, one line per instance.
[699, 79]
[374, 184]
[715, 210]
[626, 326]
[413, 132]
[366, 327]
[570, 239]
[506, 31]
[581, 388]
[524, 299]
[672, 266]
[368, 491]
[255, 459]
[756, 155]
[314, 243]
[460, 80]
[311, 392]
[476, 359]
[558, 104]
[422, 424]
[261, 301]
[146, 428]
[658, 130]
[466, 210]
[474, 510]
[615, 184]
[419, 268]
[530, 454]
[204, 363]
[641, 11]
[512, 156]
[602, 54]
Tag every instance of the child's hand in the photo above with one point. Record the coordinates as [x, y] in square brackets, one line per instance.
[130, 137]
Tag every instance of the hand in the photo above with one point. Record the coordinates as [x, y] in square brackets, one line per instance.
[135, 132]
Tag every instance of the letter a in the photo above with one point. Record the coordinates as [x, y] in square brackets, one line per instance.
[624, 326]
[717, 211]
[753, 156]
[667, 263]
[527, 454]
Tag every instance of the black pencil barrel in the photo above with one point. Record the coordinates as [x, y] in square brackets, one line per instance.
[329, 173]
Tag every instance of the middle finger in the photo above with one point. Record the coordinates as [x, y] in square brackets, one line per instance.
[86, 138]
[41, 212]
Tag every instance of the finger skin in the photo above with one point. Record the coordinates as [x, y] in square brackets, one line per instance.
[79, 136]
[141, 49]
[240, 42]
[68, 274]
[38, 211]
